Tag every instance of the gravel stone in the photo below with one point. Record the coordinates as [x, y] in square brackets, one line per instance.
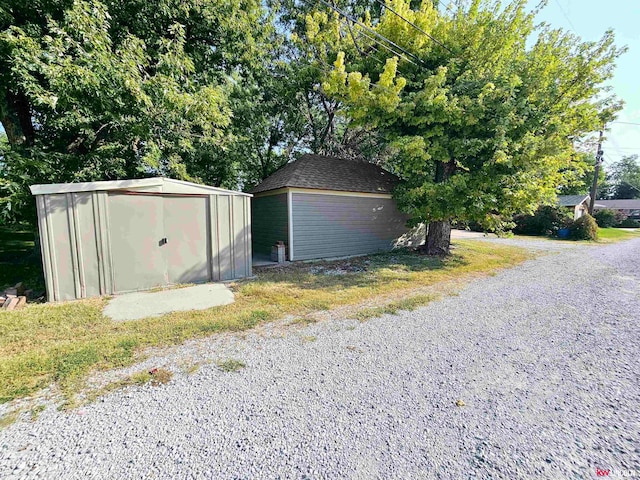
[543, 356]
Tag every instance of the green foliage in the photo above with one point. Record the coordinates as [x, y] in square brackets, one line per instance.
[20, 259]
[482, 127]
[95, 90]
[225, 92]
[231, 365]
[606, 218]
[584, 228]
[579, 178]
[547, 220]
[629, 223]
[624, 176]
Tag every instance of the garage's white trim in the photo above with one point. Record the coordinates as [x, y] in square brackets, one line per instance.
[318, 191]
[268, 193]
[290, 222]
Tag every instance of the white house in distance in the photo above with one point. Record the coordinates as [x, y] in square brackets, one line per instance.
[579, 204]
[630, 207]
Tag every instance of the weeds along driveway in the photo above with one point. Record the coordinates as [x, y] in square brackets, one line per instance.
[532, 373]
[61, 344]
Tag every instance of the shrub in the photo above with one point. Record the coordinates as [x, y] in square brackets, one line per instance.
[606, 218]
[629, 223]
[468, 225]
[546, 221]
[584, 228]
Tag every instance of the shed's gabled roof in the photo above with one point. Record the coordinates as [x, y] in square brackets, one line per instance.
[572, 200]
[150, 185]
[330, 173]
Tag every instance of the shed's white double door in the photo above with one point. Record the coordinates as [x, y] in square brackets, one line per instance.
[158, 240]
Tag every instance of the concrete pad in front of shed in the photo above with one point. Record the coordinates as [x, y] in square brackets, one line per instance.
[134, 306]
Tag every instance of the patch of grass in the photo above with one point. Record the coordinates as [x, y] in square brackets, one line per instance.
[407, 304]
[9, 419]
[36, 411]
[230, 365]
[159, 376]
[19, 259]
[303, 321]
[611, 235]
[605, 235]
[62, 343]
[156, 377]
[309, 338]
[316, 304]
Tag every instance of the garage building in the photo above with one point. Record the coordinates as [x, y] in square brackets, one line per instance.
[323, 207]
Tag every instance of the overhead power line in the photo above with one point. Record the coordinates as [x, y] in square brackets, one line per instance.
[414, 26]
[374, 40]
[376, 34]
[626, 148]
[346, 20]
[567, 17]
[627, 123]
[386, 47]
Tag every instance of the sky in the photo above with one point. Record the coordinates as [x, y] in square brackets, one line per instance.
[590, 19]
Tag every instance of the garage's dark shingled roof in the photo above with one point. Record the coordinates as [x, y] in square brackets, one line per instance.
[330, 173]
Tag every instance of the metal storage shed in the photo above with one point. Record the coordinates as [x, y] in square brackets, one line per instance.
[324, 207]
[102, 238]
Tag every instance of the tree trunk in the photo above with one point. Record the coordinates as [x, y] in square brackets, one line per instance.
[438, 238]
[439, 232]
[15, 115]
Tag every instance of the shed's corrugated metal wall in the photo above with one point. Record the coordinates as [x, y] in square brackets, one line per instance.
[100, 243]
[270, 222]
[338, 225]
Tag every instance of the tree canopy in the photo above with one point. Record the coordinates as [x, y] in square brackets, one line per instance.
[481, 106]
[475, 107]
[103, 90]
[624, 178]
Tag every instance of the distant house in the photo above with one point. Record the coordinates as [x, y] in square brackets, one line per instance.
[631, 208]
[578, 204]
[323, 207]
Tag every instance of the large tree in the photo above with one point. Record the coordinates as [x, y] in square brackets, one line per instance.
[624, 178]
[109, 89]
[481, 105]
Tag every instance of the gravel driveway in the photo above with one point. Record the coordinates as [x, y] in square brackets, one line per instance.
[545, 357]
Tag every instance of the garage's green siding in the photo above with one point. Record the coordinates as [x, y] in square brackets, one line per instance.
[337, 225]
[269, 222]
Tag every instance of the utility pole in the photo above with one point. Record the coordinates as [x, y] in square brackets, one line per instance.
[594, 185]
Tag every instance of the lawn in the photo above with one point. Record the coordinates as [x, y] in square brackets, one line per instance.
[18, 260]
[62, 343]
[608, 235]
[605, 235]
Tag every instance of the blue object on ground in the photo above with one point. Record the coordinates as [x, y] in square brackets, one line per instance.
[563, 233]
